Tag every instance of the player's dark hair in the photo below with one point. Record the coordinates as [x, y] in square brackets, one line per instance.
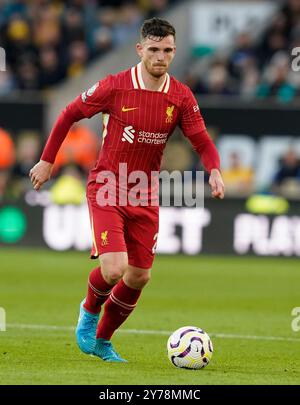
[157, 27]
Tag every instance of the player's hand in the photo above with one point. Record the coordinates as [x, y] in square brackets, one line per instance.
[40, 173]
[216, 183]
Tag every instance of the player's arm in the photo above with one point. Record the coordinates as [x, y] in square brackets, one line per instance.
[91, 102]
[210, 159]
[193, 127]
[41, 172]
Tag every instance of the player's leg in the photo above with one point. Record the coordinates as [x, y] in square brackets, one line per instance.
[140, 238]
[108, 241]
[122, 301]
[120, 304]
[102, 279]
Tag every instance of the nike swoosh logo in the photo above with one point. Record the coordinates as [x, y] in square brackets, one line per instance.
[124, 109]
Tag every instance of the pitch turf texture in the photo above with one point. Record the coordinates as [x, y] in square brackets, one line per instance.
[244, 304]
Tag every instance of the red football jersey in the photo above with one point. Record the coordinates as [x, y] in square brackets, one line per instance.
[138, 122]
[136, 125]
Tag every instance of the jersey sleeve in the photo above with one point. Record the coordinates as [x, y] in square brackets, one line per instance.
[94, 100]
[191, 120]
[206, 150]
[60, 130]
[193, 127]
[97, 98]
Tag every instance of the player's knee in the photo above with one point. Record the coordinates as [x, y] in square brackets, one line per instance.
[144, 281]
[145, 278]
[113, 268]
[138, 281]
[113, 272]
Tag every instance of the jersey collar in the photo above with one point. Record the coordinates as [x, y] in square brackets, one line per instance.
[138, 83]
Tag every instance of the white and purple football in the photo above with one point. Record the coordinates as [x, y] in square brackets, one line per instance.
[189, 347]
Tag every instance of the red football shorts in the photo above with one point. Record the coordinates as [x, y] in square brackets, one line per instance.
[124, 229]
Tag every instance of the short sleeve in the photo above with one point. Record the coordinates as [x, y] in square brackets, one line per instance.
[191, 121]
[97, 98]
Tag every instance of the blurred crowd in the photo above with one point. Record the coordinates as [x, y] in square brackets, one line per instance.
[240, 179]
[48, 41]
[256, 69]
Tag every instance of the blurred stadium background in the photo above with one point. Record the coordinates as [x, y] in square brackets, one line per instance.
[238, 58]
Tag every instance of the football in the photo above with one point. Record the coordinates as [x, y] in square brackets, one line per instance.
[189, 347]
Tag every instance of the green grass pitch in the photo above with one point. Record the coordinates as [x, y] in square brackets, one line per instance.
[244, 304]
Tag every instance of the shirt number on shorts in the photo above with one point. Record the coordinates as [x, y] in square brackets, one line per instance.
[155, 244]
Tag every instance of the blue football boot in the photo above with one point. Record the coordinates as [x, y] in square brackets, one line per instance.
[86, 330]
[104, 349]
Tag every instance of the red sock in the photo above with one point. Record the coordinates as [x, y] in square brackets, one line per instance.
[98, 291]
[118, 307]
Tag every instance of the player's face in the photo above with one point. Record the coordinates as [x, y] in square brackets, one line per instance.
[156, 54]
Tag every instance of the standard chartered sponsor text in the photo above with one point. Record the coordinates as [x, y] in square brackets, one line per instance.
[152, 137]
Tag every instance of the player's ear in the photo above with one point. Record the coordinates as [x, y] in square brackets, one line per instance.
[139, 49]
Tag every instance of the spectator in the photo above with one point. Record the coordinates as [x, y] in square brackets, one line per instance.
[155, 7]
[46, 27]
[102, 41]
[107, 17]
[219, 81]
[195, 83]
[277, 82]
[69, 187]
[11, 8]
[7, 159]
[291, 12]
[238, 178]
[243, 66]
[242, 56]
[73, 26]
[51, 69]
[17, 40]
[273, 41]
[249, 82]
[27, 74]
[287, 178]
[128, 25]
[177, 156]
[28, 150]
[7, 150]
[78, 57]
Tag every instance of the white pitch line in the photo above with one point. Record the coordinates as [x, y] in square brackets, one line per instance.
[156, 332]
